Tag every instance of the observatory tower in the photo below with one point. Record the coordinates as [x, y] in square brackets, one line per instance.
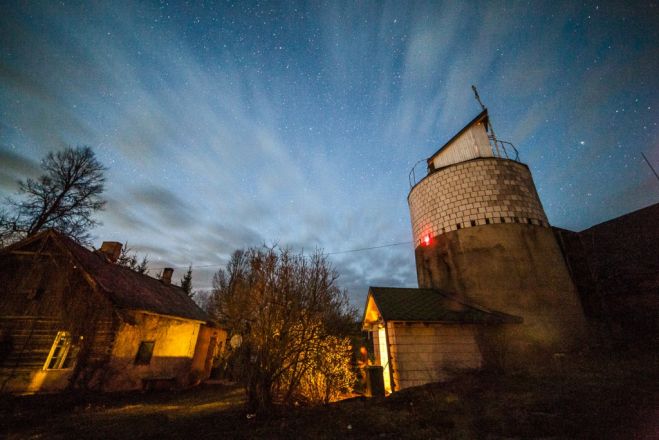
[481, 233]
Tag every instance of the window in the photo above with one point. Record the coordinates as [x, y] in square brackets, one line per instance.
[144, 353]
[62, 354]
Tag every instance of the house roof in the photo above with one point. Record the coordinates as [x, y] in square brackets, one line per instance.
[482, 116]
[428, 305]
[124, 287]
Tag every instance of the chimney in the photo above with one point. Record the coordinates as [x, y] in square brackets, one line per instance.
[111, 250]
[167, 276]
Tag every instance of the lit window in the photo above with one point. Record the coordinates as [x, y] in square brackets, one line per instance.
[144, 353]
[62, 353]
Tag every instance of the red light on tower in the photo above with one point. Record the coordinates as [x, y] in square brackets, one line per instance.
[426, 240]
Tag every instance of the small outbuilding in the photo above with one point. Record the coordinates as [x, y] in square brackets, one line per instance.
[71, 317]
[423, 335]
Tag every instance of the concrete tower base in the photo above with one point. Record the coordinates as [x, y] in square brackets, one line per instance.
[513, 268]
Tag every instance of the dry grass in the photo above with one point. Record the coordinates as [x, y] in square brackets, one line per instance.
[594, 397]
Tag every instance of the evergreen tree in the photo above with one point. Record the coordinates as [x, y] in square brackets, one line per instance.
[128, 259]
[186, 282]
[143, 266]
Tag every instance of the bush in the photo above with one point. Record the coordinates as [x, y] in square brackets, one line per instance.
[293, 321]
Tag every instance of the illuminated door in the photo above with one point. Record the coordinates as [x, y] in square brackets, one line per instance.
[384, 358]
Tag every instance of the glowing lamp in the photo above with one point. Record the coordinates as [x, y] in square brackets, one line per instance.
[426, 240]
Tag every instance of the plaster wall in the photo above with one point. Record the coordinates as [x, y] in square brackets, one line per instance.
[210, 344]
[425, 353]
[174, 347]
[513, 268]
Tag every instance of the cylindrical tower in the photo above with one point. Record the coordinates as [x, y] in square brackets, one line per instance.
[481, 233]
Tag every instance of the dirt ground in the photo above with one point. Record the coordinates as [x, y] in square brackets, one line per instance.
[595, 398]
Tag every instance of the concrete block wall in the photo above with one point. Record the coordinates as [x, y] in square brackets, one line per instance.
[474, 193]
[424, 353]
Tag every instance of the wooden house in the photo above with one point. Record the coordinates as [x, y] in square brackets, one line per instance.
[423, 335]
[73, 318]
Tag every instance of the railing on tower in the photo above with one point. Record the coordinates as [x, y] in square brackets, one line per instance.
[412, 176]
[500, 149]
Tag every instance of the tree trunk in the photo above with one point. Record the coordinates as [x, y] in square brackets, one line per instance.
[259, 394]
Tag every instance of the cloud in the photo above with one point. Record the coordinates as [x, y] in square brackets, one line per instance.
[224, 127]
[169, 209]
[121, 215]
[14, 168]
[392, 267]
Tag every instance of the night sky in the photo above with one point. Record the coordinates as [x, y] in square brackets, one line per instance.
[227, 125]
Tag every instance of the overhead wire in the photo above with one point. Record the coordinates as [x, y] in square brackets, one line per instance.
[347, 251]
[369, 248]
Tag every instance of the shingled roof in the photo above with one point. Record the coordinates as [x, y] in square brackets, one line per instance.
[430, 305]
[126, 288]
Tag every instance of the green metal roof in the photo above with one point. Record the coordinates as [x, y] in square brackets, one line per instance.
[429, 305]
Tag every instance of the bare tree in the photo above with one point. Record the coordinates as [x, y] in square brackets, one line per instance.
[65, 197]
[293, 320]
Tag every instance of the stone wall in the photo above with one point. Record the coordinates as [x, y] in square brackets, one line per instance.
[474, 193]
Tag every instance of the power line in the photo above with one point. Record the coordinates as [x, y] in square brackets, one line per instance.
[369, 248]
[328, 253]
